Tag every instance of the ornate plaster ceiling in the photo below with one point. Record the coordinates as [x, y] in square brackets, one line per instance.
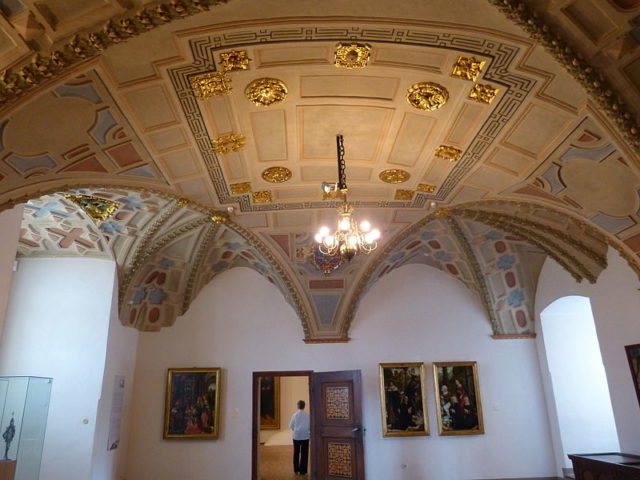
[544, 162]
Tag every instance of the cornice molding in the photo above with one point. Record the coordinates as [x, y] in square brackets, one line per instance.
[17, 81]
[591, 78]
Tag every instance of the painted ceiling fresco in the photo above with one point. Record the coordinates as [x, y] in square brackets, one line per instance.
[183, 139]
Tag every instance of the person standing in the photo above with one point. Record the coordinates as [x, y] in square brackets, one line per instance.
[299, 424]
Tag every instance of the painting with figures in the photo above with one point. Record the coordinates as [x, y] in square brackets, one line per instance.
[192, 403]
[402, 397]
[458, 398]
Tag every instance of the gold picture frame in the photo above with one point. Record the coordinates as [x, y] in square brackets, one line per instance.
[269, 403]
[192, 403]
[633, 357]
[403, 400]
[458, 398]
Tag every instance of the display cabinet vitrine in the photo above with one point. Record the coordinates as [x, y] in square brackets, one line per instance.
[24, 405]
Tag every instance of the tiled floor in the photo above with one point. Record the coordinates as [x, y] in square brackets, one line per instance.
[276, 463]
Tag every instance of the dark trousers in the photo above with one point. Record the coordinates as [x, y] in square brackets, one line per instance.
[300, 456]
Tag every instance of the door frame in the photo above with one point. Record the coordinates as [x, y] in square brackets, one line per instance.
[255, 422]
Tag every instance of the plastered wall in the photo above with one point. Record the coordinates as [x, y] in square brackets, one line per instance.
[615, 302]
[56, 326]
[241, 323]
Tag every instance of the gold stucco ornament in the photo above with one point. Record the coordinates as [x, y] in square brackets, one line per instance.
[209, 85]
[448, 152]
[99, 209]
[467, 68]
[276, 174]
[234, 61]
[394, 175]
[402, 194]
[229, 143]
[426, 188]
[266, 91]
[352, 55]
[483, 93]
[263, 196]
[240, 188]
[427, 96]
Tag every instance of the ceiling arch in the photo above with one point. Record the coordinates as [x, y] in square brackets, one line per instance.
[531, 154]
[166, 248]
[496, 249]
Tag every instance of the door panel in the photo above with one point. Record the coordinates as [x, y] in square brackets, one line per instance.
[337, 426]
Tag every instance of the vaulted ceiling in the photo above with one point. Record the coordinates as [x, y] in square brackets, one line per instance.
[185, 138]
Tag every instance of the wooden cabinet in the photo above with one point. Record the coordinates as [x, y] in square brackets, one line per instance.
[606, 466]
[7, 469]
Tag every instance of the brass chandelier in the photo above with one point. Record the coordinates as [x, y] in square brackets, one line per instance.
[349, 238]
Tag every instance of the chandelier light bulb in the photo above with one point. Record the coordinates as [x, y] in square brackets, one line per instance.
[365, 226]
[352, 240]
[328, 187]
[324, 231]
[329, 241]
[319, 237]
[344, 224]
[375, 234]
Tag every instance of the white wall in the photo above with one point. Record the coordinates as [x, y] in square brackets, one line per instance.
[56, 326]
[579, 382]
[10, 221]
[241, 323]
[615, 303]
[292, 389]
[120, 361]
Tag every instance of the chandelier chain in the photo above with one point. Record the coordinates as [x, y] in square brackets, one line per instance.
[342, 176]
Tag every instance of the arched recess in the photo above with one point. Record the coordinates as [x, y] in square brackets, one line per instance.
[496, 248]
[573, 369]
[166, 248]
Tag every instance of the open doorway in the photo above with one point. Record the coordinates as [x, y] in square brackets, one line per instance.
[578, 380]
[275, 395]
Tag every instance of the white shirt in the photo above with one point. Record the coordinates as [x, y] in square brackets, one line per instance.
[300, 425]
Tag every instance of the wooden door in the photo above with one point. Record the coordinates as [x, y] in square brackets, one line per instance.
[336, 426]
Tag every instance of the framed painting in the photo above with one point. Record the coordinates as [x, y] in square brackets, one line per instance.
[458, 398]
[402, 400]
[633, 356]
[192, 405]
[269, 403]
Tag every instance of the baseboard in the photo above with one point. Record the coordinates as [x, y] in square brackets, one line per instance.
[527, 478]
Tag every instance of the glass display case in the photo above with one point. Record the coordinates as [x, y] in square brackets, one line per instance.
[24, 405]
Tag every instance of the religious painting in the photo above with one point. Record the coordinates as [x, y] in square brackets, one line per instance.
[633, 355]
[458, 398]
[192, 407]
[402, 400]
[269, 403]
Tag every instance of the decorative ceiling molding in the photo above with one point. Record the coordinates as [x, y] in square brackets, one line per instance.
[503, 69]
[152, 241]
[19, 80]
[197, 265]
[574, 243]
[591, 78]
[488, 299]
[147, 250]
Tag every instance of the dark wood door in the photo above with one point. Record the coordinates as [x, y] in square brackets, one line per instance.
[336, 426]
